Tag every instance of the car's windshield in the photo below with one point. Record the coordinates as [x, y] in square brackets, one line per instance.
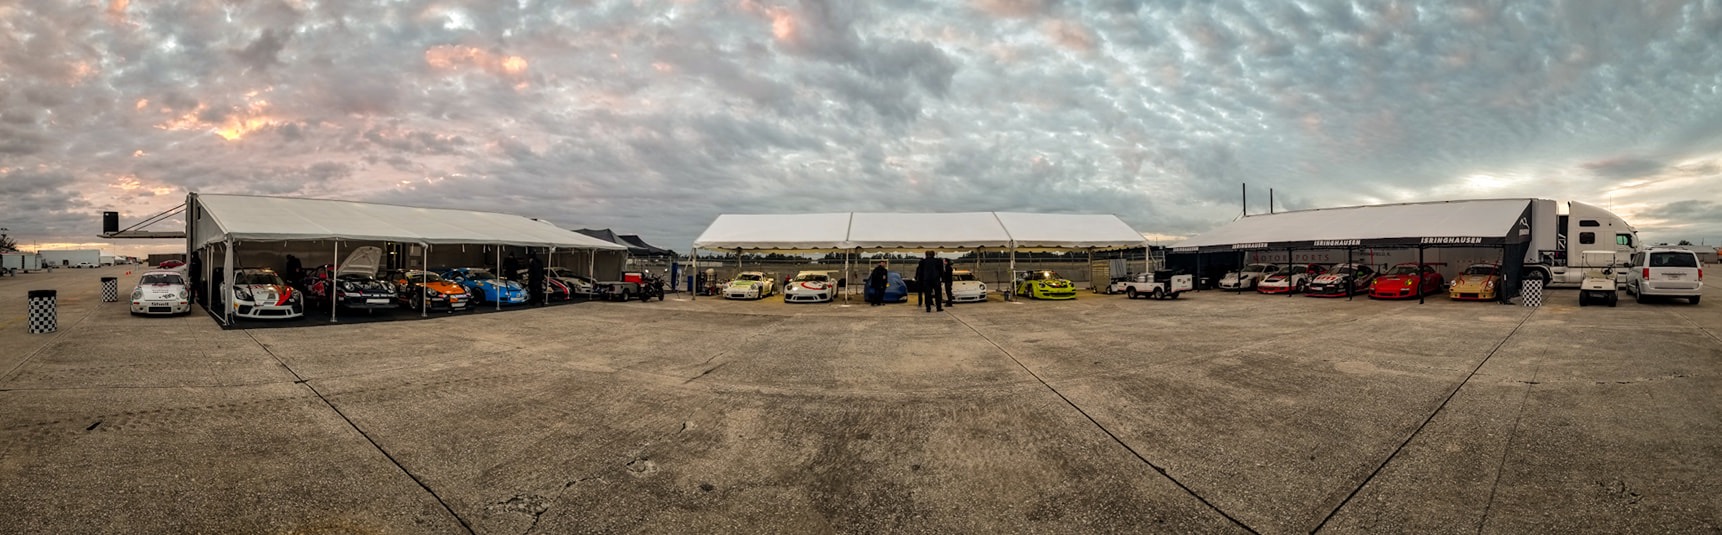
[256, 277]
[1299, 269]
[1344, 270]
[423, 276]
[563, 273]
[1683, 260]
[1259, 268]
[748, 277]
[1480, 270]
[1048, 275]
[1403, 270]
[480, 275]
[963, 276]
[813, 278]
[161, 278]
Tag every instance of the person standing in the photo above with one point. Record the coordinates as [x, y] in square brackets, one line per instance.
[295, 270]
[535, 280]
[949, 276]
[928, 273]
[510, 268]
[876, 284]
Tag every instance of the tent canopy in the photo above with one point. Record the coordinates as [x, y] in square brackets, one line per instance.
[252, 218]
[963, 230]
[1491, 222]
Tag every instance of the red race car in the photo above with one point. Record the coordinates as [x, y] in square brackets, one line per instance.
[1409, 280]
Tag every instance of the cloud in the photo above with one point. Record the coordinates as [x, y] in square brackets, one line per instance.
[656, 116]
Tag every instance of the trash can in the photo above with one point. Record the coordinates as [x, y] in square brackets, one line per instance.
[110, 289]
[43, 316]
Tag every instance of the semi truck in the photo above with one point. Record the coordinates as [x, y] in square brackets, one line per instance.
[1557, 239]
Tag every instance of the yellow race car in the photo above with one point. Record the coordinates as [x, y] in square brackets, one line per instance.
[1044, 284]
[1478, 283]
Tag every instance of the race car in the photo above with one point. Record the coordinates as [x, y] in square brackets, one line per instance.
[423, 290]
[749, 285]
[260, 293]
[1409, 280]
[161, 292]
[896, 290]
[1248, 277]
[1291, 280]
[353, 284]
[1335, 283]
[579, 285]
[554, 289]
[966, 288]
[1044, 284]
[1478, 283]
[810, 287]
[485, 287]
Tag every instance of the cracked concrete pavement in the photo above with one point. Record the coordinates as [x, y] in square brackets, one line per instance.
[1213, 413]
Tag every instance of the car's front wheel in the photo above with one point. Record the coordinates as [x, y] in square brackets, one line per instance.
[1130, 293]
[1158, 293]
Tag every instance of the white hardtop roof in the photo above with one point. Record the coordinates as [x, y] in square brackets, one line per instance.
[254, 218]
[877, 230]
[1475, 218]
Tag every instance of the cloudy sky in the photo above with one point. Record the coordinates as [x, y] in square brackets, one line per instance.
[652, 117]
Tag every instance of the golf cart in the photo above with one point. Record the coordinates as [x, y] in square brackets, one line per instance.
[1599, 286]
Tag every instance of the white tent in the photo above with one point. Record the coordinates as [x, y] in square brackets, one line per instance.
[220, 218]
[966, 230]
[1490, 222]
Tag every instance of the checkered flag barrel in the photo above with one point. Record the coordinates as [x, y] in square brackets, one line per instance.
[110, 289]
[1532, 294]
[43, 317]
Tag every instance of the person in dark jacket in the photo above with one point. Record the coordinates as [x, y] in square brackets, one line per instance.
[535, 282]
[876, 284]
[510, 268]
[949, 276]
[295, 269]
[929, 273]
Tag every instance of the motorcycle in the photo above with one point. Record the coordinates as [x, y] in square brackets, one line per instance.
[651, 286]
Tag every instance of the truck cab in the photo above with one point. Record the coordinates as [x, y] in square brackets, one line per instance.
[1557, 238]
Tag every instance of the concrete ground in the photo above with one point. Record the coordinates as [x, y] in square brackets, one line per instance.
[1212, 413]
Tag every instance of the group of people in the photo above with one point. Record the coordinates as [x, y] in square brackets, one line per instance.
[933, 274]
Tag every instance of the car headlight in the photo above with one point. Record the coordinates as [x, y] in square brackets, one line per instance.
[349, 287]
[1489, 285]
[137, 293]
[432, 293]
[242, 292]
[983, 287]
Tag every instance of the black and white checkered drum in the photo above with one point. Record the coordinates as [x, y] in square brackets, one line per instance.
[43, 317]
[1532, 294]
[110, 289]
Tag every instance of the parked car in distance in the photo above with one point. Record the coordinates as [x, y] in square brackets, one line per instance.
[1044, 284]
[1247, 278]
[353, 284]
[810, 287]
[965, 288]
[1479, 282]
[1293, 280]
[749, 285]
[171, 264]
[1409, 280]
[580, 285]
[1156, 285]
[1665, 272]
[485, 287]
[423, 290]
[1342, 280]
[260, 293]
[161, 292]
[554, 288]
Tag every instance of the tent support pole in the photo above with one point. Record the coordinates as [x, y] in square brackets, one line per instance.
[1291, 286]
[845, 276]
[693, 274]
[1420, 289]
[500, 285]
[329, 288]
[227, 279]
[424, 298]
[1242, 256]
[1091, 286]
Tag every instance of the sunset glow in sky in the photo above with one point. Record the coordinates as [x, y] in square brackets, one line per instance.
[653, 117]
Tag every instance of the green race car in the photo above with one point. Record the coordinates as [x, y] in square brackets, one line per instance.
[1045, 284]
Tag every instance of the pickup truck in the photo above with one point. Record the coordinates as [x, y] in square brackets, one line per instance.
[1157, 285]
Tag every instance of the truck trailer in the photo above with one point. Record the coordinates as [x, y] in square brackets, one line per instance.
[15, 263]
[73, 258]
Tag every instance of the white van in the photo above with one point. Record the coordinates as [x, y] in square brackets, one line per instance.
[1666, 273]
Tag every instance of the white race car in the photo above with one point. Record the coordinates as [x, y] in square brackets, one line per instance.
[260, 293]
[750, 285]
[1248, 278]
[810, 287]
[1292, 280]
[966, 288]
[161, 292]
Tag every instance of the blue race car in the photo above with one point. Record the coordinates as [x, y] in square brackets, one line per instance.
[896, 291]
[485, 287]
